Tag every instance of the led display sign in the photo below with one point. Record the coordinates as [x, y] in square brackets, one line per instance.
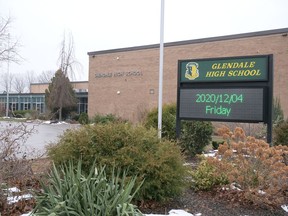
[226, 104]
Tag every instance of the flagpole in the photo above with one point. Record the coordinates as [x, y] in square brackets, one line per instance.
[161, 57]
[8, 78]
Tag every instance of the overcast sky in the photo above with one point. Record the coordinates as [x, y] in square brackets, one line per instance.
[97, 25]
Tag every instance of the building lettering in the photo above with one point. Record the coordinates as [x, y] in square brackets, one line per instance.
[215, 73]
[119, 74]
[233, 65]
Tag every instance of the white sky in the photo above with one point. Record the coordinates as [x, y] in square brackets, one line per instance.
[97, 25]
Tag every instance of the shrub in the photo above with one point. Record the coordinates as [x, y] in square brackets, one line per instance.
[254, 166]
[83, 118]
[22, 113]
[195, 135]
[13, 151]
[206, 177]
[159, 162]
[215, 144]
[15, 167]
[69, 191]
[277, 112]
[281, 133]
[168, 121]
[104, 119]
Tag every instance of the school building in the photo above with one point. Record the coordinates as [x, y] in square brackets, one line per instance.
[35, 100]
[125, 81]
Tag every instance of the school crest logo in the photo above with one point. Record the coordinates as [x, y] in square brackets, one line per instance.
[192, 71]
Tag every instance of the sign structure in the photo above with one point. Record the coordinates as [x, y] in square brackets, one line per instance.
[235, 89]
[225, 70]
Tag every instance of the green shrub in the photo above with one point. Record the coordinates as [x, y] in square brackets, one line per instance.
[215, 144]
[83, 118]
[195, 135]
[168, 121]
[159, 162]
[281, 133]
[70, 191]
[22, 113]
[104, 119]
[277, 112]
[205, 177]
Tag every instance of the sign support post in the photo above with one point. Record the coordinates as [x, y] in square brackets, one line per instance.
[161, 71]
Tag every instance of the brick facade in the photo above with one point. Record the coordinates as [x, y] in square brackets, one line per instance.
[125, 81]
[79, 86]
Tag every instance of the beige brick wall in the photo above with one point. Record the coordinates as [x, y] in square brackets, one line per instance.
[41, 87]
[134, 92]
[38, 87]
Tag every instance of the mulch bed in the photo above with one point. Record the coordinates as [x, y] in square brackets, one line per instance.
[210, 204]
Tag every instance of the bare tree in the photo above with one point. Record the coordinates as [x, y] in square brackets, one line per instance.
[8, 45]
[30, 78]
[19, 84]
[67, 60]
[46, 76]
[7, 81]
[60, 93]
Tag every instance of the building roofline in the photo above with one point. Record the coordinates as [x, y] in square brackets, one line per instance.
[22, 94]
[194, 41]
[47, 83]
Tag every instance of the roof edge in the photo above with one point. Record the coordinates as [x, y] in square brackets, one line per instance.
[194, 41]
[47, 83]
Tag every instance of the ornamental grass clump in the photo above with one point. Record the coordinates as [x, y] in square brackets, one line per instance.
[70, 191]
[259, 171]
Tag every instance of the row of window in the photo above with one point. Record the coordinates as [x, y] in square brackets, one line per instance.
[36, 102]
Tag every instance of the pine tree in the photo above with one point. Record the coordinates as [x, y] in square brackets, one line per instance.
[60, 94]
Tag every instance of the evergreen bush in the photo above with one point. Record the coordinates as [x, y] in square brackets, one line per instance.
[122, 145]
[277, 112]
[195, 135]
[281, 133]
[168, 121]
[83, 118]
[104, 119]
[206, 177]
[215, 144]
[22, 113]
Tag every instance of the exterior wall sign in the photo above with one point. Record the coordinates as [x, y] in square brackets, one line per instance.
[236, 89]
[225, 70]
[118, 74]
